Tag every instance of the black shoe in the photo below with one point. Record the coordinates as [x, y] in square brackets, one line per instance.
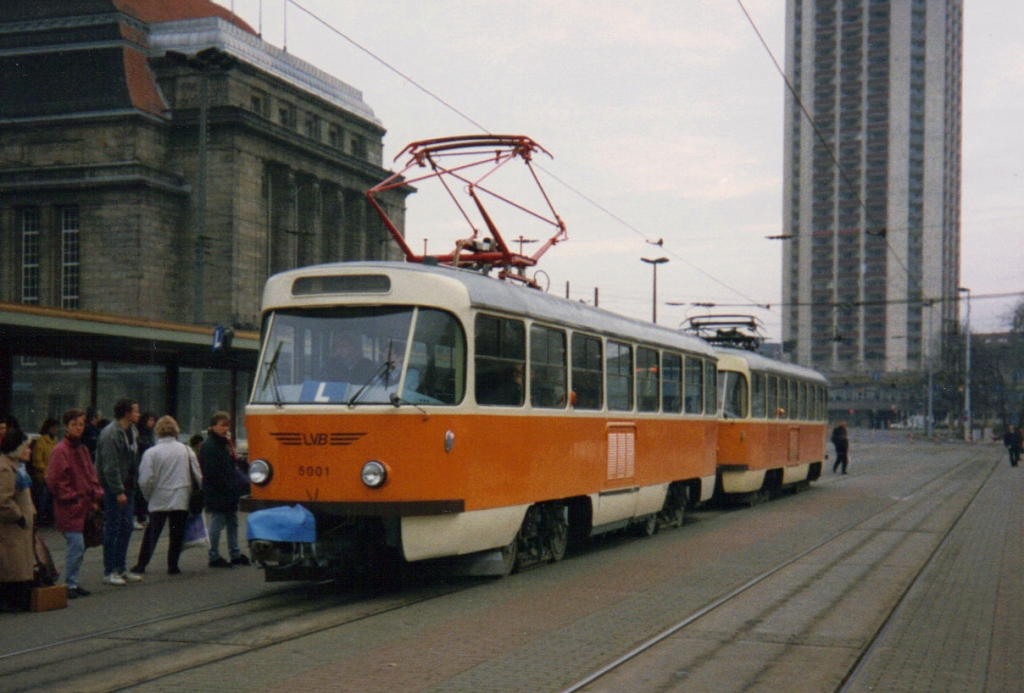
[72, 593]
[138, 570]
[80, 592]
[219, 562]
[241, 560]
[174, 571]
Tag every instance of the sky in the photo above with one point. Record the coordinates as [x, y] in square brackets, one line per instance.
[665, 121]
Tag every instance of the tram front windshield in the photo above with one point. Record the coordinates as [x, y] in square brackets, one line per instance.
[389, 355]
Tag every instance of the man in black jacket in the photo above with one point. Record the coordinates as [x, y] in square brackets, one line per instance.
[841, 441]
[220, 491]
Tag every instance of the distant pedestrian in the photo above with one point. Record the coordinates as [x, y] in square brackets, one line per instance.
[841, 441]
[91, 434]
[220, 491]
[41, 449]
[17, 557]
[71, 478]
[165, 477]
[147, 439]
[1013, 439]
[117, 465]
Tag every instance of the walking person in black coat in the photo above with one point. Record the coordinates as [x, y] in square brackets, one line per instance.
[1013, 439]
[220, 491]
[841, 441]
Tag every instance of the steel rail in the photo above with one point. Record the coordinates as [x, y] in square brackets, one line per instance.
[667, 633]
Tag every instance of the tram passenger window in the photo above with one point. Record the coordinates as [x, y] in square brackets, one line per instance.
[547, 367]
[710, 387]
[671, 383]
[646, 379]
[803, 401]
[694, 385]
[794, 399]
[783, 398]
[437, 361]
[757, 395]
[773, 397]
[619, 369]
[586, 372]
[500, 358]
[734, 395]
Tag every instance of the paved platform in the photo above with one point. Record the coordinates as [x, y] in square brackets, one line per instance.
[960, 626]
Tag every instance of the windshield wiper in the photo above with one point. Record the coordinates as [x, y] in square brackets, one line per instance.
[271, 375]
[397, 402]
[383, 372]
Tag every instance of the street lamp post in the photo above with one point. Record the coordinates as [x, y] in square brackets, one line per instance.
[967, 376]
[654, 300]
[929, 425]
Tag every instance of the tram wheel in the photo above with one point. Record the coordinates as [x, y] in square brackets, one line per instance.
[672, 513]
[647, 527]
[557, 532]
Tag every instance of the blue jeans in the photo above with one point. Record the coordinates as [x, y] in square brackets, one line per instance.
[219, 521]
[73, 558]
[117, 530]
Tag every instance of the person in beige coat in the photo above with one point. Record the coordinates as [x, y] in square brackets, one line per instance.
[17, 558]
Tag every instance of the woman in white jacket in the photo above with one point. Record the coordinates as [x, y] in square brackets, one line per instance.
[165, 477]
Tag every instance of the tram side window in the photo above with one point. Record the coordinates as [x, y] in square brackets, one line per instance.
[619, 369]
[671, 383]
[734, 395]
[437, 361]
[803, 401]
[500, 357]
[694, 385]
[783, 398]
[586, 372]
[757, 395]
[547, 367]
[710, 387]
[773, 397]
[646, 379]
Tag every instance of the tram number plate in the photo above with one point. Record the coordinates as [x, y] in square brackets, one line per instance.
[314, 470]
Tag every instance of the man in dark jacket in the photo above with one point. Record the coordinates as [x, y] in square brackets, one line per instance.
[117, 465]
[1013, 439]
[841, 441]
[220, 491]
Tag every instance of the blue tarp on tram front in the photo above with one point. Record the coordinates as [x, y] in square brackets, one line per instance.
[294, 524]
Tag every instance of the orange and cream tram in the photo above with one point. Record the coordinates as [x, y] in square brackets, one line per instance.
[772, 425]
[422, 412]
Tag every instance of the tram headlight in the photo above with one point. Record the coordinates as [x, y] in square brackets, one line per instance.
[374, 474]
[260, 472]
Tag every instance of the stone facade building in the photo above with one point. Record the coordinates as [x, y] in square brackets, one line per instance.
[158, 161]
[109, 200]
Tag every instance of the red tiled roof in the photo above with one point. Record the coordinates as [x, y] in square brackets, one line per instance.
[141, 85]
[173, 10]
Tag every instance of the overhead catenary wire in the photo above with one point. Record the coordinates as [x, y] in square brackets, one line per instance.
[475, 123]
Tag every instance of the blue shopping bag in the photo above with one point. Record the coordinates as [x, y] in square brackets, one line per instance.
[196, 534]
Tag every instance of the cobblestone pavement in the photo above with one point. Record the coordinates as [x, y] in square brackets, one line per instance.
[542, 630]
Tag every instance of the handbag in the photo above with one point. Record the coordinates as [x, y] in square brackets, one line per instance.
[195, 498]
[44, 571]
[196, 535]
[92, 530]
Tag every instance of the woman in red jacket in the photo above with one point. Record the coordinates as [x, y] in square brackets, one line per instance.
[72, 479]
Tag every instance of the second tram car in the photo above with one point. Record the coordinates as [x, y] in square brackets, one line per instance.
[772, 425]
[422, 412]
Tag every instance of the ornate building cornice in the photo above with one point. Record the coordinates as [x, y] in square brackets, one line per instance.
[194, 35]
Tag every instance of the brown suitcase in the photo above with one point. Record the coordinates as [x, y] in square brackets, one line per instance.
[49, 598]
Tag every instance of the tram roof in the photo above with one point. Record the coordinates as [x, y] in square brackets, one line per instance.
[488, 293]
[767, 365]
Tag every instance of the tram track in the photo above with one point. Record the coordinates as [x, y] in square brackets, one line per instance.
[147, 650]
[899, 510]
